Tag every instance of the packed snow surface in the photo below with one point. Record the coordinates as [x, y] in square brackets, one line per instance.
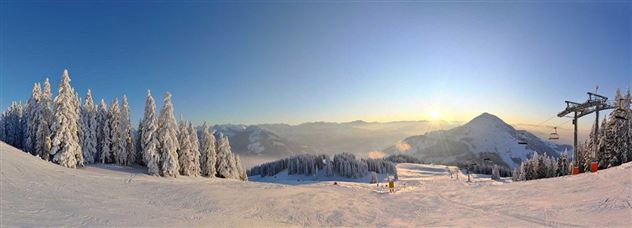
[38, 193]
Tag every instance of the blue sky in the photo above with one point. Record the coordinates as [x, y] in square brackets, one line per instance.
[297, 62]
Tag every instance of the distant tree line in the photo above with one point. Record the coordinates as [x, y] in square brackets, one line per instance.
[344, 165]
[72, 134]
[403, 158]
[494, 170]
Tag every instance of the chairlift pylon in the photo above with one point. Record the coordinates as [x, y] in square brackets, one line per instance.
[554, 135]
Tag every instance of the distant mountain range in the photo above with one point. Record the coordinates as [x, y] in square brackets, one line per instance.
[485, 136]
[265, 142]
[252, 140]
[358, 137]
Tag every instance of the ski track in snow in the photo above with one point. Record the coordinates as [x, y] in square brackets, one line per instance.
[38, 193]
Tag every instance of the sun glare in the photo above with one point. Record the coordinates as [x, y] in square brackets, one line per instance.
[435, 115]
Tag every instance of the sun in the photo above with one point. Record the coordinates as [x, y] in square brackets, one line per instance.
[435, 115]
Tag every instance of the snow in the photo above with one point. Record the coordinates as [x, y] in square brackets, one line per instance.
[36, 193]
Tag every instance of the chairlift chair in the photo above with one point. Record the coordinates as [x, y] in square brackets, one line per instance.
[619, 112]
[554, 135]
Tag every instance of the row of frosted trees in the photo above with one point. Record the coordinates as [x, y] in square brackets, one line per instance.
[344, 165]
[71, 133]
[543, 166]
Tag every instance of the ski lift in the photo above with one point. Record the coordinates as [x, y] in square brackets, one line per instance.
[554, 135]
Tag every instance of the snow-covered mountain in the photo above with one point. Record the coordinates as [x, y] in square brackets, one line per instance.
[485, 136]
[251, 140]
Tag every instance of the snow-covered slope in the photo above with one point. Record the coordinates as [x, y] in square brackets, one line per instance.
[35, 193]
[485, 136]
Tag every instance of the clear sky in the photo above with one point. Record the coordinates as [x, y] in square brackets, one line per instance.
[330, 61]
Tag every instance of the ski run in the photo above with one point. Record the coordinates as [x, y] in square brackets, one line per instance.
[40, 193]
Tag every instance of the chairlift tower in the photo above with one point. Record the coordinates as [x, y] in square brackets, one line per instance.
[595, 103]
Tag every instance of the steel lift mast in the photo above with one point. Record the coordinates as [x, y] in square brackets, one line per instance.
[595, 103]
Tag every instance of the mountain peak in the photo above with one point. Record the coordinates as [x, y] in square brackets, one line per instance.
[486, 120]
[486, 117]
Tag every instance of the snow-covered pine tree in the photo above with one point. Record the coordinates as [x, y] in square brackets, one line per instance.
[66, 150]
[14, 134]
[224, 164]
[208, 155]
[137, 145]
[117, 147]
[3, 127]
[628, 132]
[104, 142]
[615, 134]
[588, 150]
[563, 163]
[148, 136]
[77, 107]
[89, 129]
[329, 167]
[185, 157]
[44, 141]
[9, 124]
[31, 115]
[168, 139]
[195, 150]
[518, 173]
[127, 156]
[240, 171]
[373, 177]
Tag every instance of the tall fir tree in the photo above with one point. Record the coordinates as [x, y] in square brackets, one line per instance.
[66, 149]
[628, 132]
[185, 157]
[208, 155]
[195, 150]
[127, 156]
[117, 147]
[148, 136]
[225, 161]
[241, 172]
[104, 142]
[76, 103]
[32, 116]
[168, 139]
[14, 125]
[44, 141]
[3, 127]
[89, 128]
